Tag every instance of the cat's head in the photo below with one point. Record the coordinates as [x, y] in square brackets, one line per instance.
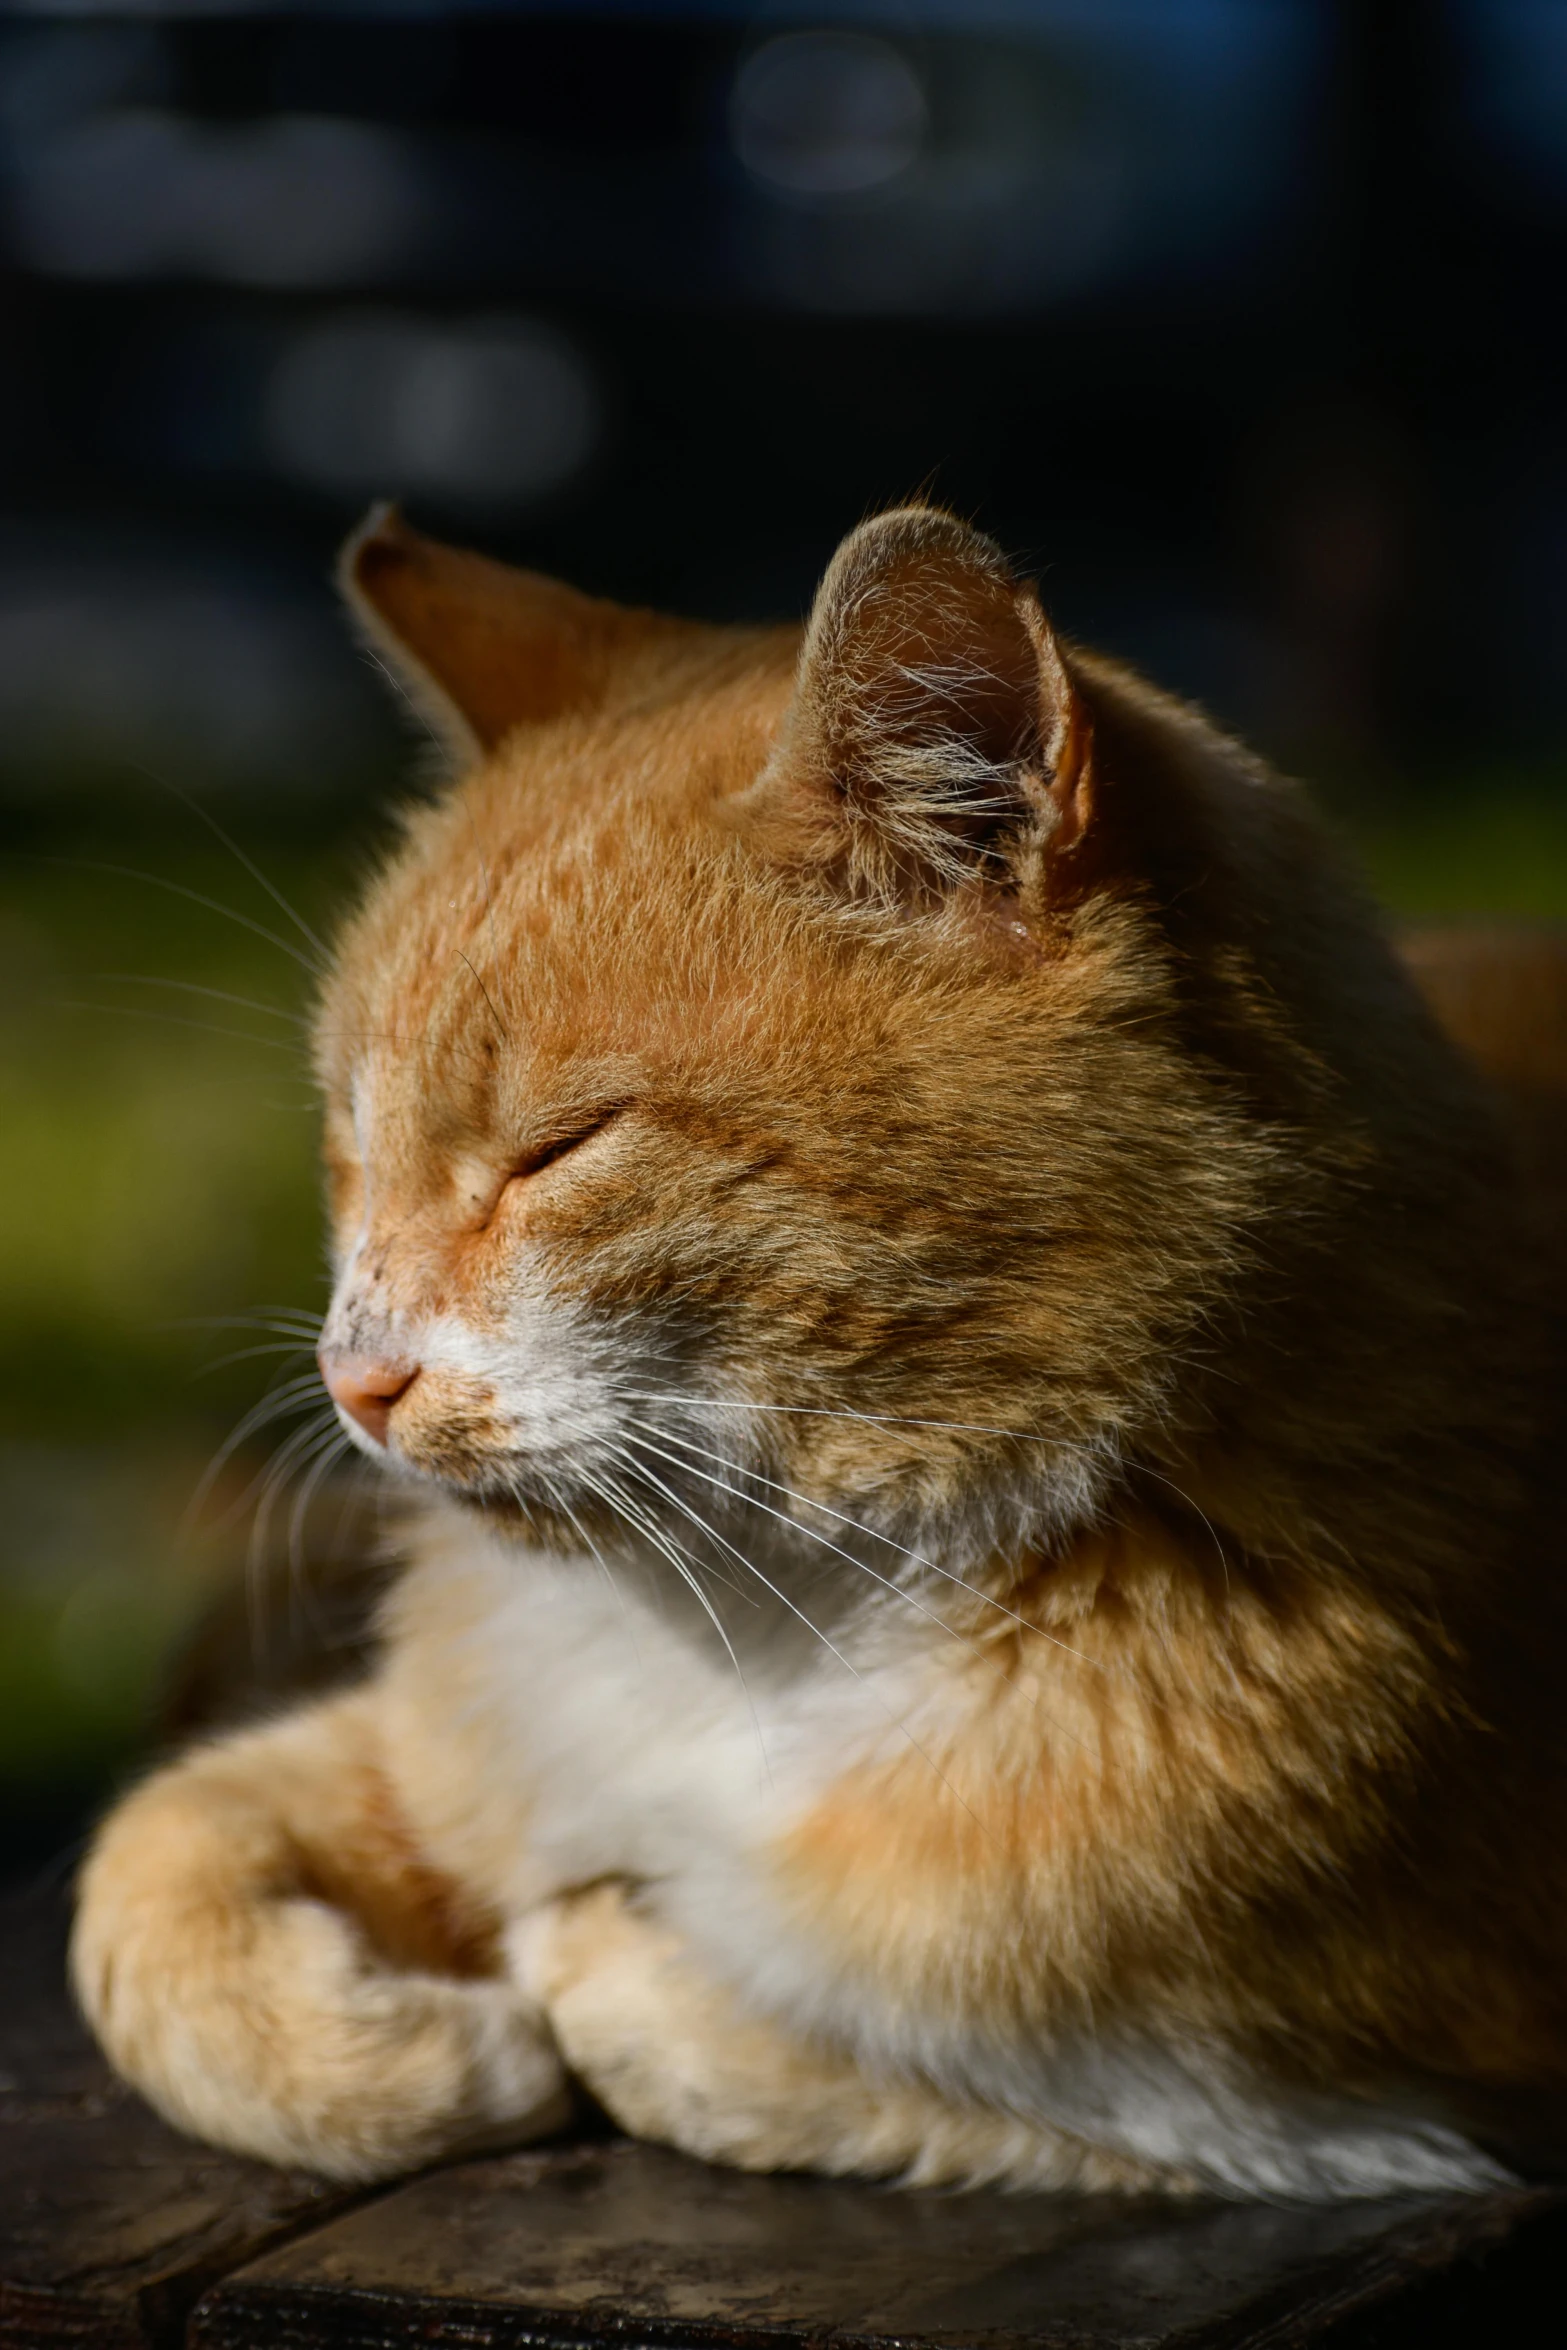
[771, 1056]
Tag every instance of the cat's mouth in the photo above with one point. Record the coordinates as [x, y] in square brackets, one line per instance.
[509, 1490]
[597, 1474]
[573, 1482]
[586, 1508]
[473, 1456]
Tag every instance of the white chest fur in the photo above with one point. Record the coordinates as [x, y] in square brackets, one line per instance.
[555, 1727]
[612, 1733]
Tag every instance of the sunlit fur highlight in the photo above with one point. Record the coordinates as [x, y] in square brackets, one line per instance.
[987, 1603]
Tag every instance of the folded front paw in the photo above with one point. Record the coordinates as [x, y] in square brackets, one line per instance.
[277, 2033]
[630, 2018]
[670, 2052]
[586, 1936]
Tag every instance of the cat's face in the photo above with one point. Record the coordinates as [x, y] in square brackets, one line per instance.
[670, 1134]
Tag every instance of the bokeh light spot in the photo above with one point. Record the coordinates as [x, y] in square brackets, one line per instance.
[827, 114]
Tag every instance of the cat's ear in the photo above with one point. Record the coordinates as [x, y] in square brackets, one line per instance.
[479, 647]
[935, 736]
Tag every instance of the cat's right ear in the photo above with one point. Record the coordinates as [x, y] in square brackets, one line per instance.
[477, 646]
[936, 740]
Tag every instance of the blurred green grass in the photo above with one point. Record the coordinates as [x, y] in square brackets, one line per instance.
[157, 1175]
[159, 1144]
[157, 1178]
[1496, 849]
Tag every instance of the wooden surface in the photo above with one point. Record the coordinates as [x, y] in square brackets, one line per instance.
[608, 2241]
[115, 2231]
[110, 2224]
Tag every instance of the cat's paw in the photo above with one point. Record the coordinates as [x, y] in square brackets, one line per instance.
[589, 1935]
[674, 2056]
[654, 2043]
[291, 2042]
[264, 2020]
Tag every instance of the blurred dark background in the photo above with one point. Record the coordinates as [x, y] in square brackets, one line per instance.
[1238, 320]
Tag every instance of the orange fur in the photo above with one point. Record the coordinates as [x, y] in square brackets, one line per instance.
[966, 1068]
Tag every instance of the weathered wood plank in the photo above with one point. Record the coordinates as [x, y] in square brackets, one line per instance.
[110, 2223]
[620, 2243]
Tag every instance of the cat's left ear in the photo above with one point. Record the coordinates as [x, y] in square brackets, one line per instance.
[935, 736]
[480, 647]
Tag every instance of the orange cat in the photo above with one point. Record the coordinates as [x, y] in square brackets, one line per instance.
[988, 1598]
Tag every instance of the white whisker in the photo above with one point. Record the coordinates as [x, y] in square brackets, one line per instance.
[217, 995]
[782, 1596]
[271, 1044]
[246, 1354]
[324, 1461]
[290, 1397]
[873, 1534]
[639, 1521]
[205, 816]
[297, 1453]
[645, 1445]
[583, 1536]
[1141, 1469]
[288, 1321]
[194, 897]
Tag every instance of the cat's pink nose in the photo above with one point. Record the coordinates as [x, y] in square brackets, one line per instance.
[366, 1390]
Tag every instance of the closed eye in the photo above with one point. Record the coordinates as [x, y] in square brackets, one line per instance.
[534, 1162]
